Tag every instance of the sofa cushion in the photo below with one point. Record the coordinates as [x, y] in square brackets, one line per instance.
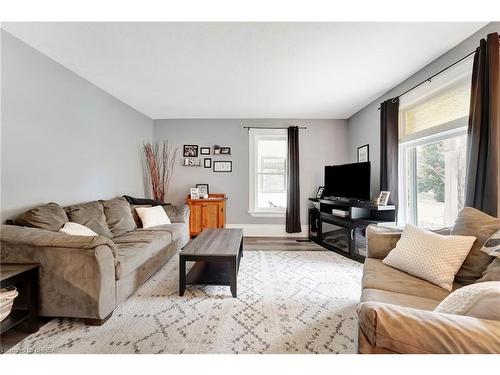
[118, 216]
[130, 256]
[400, 299]
[49, 216]
[377, 275]
[179, 231]
[430, 256]
[472, 222]
[91, 215]
[481, 300]
[135, 247]
[492, 272]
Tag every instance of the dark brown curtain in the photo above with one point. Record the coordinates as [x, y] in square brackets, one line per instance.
[293, 195]
[483, 142]
[389, 141]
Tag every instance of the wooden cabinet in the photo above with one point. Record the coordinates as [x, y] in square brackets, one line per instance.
[206, 213]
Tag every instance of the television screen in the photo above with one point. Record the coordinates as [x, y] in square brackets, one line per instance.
[348, 181]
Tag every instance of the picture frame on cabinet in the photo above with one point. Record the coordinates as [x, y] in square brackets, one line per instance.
[203, 190]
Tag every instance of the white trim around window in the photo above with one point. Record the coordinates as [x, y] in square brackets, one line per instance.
[254, 135]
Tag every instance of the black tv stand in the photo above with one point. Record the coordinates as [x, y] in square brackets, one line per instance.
[339, 224]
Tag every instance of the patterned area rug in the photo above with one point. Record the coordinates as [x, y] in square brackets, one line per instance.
[288, 302]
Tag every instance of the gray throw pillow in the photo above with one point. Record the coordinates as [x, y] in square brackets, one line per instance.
[472, 222]
[91, 215]
[118, 216]
[49, 216]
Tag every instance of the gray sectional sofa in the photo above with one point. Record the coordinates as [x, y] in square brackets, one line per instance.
[88, 277]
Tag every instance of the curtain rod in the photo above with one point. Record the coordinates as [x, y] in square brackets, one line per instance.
[434, 75]
[271, 127]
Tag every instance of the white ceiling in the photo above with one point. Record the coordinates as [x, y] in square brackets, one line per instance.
[244, 70]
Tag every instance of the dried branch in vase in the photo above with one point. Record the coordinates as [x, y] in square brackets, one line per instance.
[159, 160]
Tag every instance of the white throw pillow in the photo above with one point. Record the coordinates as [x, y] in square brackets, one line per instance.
[152, 216]
[481, 300]
[430, 256]
[75, 229]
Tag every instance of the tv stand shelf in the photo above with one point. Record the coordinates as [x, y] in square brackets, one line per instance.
[339, 224]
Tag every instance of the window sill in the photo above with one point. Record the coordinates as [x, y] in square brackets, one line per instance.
[266, 214]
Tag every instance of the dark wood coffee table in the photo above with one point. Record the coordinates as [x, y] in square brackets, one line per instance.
[217, 253]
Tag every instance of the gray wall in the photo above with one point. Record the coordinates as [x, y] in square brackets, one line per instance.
[323, 143]
[63, 139]
[364, 126]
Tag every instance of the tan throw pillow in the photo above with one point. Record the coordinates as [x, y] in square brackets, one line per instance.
[91, 215]
[472, 222]
[481, 300]
[49, 216]
[152, 216]
[429, 256]
[75, 229]
[118, 216]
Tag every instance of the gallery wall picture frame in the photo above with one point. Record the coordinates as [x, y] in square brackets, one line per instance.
[204, 150]
[216, 150]
[225, 150]
[207, 162]
[223, 166]
[364, 153]
[192, 162]
[203, 189]
[190, 151]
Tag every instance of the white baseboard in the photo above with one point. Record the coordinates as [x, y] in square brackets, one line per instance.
[267, 230]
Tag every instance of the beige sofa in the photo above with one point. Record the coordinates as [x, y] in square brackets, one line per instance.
[396, 315]
[88, 277]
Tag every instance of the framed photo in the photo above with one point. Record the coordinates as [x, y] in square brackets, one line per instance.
[204, 150]
[195, 193]
[190, 151]
[383, 198]
[216, 150]
[363, 153]
[223, 166]
[202, 189]
[191, 162]
[319, 193]
[225, 150]
[207, 162]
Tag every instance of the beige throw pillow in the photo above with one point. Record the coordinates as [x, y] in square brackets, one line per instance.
[430, 256]
[75, 229]
[152, 216]
[481, 300]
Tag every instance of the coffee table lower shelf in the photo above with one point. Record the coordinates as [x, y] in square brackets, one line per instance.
[209, 273]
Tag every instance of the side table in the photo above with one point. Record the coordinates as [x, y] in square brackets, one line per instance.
[25, 278]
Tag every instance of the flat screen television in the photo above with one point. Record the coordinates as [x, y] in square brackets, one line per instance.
[350, 181]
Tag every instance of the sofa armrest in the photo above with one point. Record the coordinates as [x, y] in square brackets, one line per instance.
[177, 214]
[405, 330]
[381, 240]
[77, 273]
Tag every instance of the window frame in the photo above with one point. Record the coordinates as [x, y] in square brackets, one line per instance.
[254, 135]
[407, 213]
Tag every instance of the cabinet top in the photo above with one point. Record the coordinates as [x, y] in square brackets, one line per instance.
[211, 198]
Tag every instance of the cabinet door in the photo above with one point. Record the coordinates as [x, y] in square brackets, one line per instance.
[211, 215]
[195, 219]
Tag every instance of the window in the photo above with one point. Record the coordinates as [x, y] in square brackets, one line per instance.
[432, 152]
[268, 150]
